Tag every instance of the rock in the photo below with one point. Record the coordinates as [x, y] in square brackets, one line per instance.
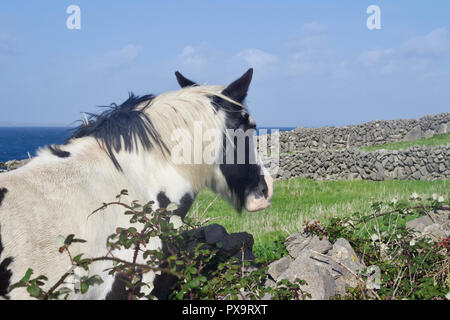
[16, 164]
[320, 283]
[441, 217]
[419, 224]
[429, 133]
[416, 175]
[414, 134]
[435, 225]
[212, 237]
[341, 285]
[267, 296]
[278, 267]
[270, 283]
[215, 236]
[435, 232]
[212, 234]
[443, 128]
[286, 175]
[300, 241]
[423, 171]
[352, 176]
[343, 253]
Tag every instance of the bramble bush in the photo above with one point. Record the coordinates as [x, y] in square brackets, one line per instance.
[200, 273]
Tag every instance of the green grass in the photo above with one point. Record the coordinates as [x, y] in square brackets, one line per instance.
[439, 139]
[298, 200]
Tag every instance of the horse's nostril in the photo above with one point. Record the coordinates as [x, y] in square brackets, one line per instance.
[265, 192]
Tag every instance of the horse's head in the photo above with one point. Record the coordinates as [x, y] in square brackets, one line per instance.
[239, 175]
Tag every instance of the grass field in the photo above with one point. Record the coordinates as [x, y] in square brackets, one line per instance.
[435, 140]
[298, 200]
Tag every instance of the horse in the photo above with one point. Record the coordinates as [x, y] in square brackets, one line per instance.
[127, 146]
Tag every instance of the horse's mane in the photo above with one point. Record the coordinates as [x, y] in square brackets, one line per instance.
[148, 120]
[121, 127]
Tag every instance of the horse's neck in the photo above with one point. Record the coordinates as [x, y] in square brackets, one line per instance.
[146, 175]
[154, 178]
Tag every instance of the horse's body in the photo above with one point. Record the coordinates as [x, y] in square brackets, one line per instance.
[54, 193]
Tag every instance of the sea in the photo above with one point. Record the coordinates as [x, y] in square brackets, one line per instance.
[17, 142]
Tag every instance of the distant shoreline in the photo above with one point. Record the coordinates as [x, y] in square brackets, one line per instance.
[35, 126]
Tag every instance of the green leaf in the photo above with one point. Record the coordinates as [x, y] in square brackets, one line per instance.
[94, 280]
[69, 239]
[34, 290]
[84, 287]
[27, 276]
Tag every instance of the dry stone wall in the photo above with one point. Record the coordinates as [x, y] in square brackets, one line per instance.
[418, 163]
[367, 134]
[333, 153]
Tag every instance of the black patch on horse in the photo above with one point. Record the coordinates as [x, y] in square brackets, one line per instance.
[122, 127]
[118, 290]
[183, 207]
[242, 178]
[56, 150]
[3, 192]
[163, 201]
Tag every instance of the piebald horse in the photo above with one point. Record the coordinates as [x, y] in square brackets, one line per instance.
[128, 146]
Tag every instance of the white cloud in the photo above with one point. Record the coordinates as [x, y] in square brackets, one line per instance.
[433, 44]
[380, 60]
[311, 52]
[115, 59]
[418, 54]
[193, 57]
[258, 59]
[375, 56]
[201, 60]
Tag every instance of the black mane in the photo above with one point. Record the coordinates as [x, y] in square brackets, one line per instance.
[119, 122]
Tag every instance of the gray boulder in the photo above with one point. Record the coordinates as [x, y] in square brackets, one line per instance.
[299, 241]
[343, 253]
[419, 224]
[435, 225]
[320, 283]
[278, 267]
[436, 232]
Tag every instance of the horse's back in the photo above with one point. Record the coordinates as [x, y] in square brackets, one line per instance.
[31, 218]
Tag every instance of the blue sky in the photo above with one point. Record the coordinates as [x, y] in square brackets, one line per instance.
[316, 63]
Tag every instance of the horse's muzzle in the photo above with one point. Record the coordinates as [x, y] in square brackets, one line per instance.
[255, 204]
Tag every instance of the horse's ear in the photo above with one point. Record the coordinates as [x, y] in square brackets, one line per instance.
[184, 82]
[238, 89]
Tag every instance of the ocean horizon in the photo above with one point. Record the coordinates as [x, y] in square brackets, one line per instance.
[17, 142]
